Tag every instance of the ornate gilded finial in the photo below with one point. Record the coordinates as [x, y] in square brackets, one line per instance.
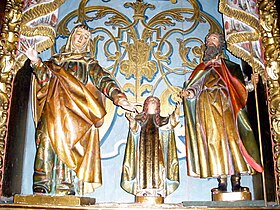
[139, 8]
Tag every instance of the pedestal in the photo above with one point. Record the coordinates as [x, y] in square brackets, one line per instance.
[69, 200]
[231, 196]
[220, 205]
[149, 199]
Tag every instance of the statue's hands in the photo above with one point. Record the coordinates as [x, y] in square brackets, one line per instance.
[255, 79]
[252, 84]
[188, 93]
[30, 52]
[126, 105]
[32, 55]
[177, 108]
[130, 116]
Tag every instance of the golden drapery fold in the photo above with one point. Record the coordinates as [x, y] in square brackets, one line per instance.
[71, 113]
[150, 165]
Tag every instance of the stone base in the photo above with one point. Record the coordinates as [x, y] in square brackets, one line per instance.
[252, 204]
[149, 199]
[231, 196]
[7, 204]
[68, 200]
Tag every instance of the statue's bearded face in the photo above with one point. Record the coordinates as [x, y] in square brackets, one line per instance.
[213, 40]
[80, 38]
[213, 48]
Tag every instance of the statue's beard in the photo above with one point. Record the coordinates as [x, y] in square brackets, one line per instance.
[211, 52]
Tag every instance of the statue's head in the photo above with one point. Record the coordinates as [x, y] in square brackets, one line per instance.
[152, 105]
[215, 44]
[79, 40]
[215, 39]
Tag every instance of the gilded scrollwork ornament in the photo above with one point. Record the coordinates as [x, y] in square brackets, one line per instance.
[271, 42]
[8, 50]
[38, 26]
[140, 47]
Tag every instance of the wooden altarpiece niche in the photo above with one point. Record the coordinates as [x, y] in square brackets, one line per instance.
[14, 93]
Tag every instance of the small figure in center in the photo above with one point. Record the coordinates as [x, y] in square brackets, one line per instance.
[150, 167]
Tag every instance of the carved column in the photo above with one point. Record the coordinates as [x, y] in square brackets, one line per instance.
[8, 50]
[271, 43]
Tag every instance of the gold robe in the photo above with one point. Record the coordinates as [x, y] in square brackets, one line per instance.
[151, 166]
[69, 108]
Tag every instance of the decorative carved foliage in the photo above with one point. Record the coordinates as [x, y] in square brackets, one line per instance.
[140, 47]
[8, 50]
[271, 41]
[38, 26]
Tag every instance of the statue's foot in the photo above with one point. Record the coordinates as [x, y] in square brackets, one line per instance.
[65, 189]
[71, 192]
[240, 189]
[40, 190]
[219, 189]
[65, 192]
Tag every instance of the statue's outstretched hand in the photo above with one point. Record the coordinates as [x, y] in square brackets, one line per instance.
[32, 55]
[30, 52]
[130, 116]
[126, 105]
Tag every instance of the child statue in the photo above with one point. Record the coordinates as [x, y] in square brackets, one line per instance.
[150, 168]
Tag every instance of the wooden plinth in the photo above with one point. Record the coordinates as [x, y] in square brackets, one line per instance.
[149, 199]
[185, 205]
[53, 200]
[231, 196]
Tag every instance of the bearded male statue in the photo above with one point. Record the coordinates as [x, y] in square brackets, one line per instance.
[219, 139]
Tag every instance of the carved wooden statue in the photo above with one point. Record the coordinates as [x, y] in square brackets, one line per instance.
[150, 168]
[69, 106]
[219, 139]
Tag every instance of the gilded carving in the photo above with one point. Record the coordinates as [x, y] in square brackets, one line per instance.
[197, 51]
[138, 63]
[8, 47]
[143, 57]
[29, 29]
[271, 42]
